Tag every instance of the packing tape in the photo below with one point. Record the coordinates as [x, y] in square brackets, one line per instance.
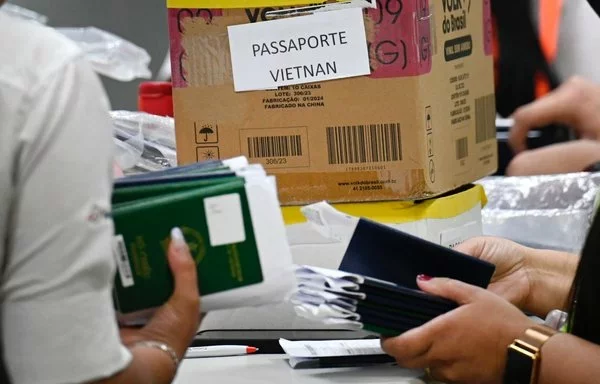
[220, 4]
[398, 212]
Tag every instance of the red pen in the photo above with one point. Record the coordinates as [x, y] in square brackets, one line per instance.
[219, 350]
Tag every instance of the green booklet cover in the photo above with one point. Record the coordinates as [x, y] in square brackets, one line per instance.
[217, 225]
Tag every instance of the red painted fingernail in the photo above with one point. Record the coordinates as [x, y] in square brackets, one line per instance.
[424, 278]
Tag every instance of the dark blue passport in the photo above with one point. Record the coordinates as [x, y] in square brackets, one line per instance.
[152, 179]
[385, 253]
[195, 167]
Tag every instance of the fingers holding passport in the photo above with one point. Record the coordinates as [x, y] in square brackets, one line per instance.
[177, 321]
[184, 272]
[511, 279]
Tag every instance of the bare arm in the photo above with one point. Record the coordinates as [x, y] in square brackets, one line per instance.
[536, 281]
[569, 359]
[149, 366]
[174, 324]
[572, 156]
[575, 104]
[469, 344]
[551, 274]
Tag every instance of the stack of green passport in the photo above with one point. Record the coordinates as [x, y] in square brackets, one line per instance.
[230, 216]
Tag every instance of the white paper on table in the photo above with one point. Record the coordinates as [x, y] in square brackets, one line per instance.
[302, 353]
[331, 348]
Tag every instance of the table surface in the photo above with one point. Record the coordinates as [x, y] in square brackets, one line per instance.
[275, 369]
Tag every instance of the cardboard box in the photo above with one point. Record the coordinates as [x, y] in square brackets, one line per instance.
[447, 220]
[422, 124]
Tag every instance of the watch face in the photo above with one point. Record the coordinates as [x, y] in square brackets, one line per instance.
[520, 365]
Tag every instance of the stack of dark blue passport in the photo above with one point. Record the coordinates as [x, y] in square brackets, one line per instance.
[375, 288]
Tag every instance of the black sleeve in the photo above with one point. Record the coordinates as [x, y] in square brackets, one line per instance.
[521, 57]
[596, 5]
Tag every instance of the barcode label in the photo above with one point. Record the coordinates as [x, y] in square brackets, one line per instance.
[122, 259]
[275, 146]
[485, 118]
[359, 144]
[462, 148]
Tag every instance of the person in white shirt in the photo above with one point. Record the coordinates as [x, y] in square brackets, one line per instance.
[57, 322]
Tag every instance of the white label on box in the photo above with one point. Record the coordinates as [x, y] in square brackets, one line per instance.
[122, 259]
[455, 236]
[299, 50]
[225, 220]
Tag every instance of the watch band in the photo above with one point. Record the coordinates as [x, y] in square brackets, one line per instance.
[524, 355]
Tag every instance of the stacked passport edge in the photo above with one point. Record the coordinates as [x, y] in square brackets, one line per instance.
[229, 214]
[358, 302]
[375, 287]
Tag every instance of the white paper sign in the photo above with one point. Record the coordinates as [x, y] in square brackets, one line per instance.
[299, 50]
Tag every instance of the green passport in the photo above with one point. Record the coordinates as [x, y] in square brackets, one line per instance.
[217, 226]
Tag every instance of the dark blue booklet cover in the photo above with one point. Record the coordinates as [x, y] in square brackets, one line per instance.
[387, 254]
[200, 167]
[151, 179]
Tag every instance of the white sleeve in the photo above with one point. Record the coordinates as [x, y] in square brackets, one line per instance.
[58, 322]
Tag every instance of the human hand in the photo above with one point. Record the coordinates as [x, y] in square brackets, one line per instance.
[468, 344]
[511, 279]
[576, 104]
[536, 281]
[177, 321]
[572, 156]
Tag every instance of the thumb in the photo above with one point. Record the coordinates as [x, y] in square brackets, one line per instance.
[454, 290]
[472, 247]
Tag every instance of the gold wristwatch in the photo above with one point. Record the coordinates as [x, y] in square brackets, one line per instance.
[524, 355]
